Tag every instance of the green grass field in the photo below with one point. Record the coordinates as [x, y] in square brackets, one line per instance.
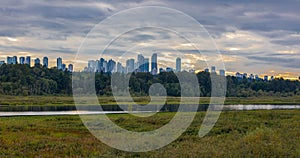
[264, 133]
[68, 100]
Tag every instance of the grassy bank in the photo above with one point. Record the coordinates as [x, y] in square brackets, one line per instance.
[68, 100]
[236, 134]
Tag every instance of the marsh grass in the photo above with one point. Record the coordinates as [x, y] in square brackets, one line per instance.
[6, 100]
[261, 133]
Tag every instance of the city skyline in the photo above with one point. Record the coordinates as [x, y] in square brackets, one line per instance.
[260, 37]
[131, 66]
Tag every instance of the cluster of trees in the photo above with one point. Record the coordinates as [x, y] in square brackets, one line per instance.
[17, 79]
[24, 80]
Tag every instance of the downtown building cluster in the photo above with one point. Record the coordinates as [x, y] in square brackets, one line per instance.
[141, 64]
[45, 62]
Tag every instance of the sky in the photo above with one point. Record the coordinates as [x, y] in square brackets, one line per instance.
[259, 37]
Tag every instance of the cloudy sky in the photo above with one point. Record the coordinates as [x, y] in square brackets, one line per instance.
[255, 37]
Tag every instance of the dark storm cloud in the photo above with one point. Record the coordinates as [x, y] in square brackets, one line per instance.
[66, 23]
[284, 62]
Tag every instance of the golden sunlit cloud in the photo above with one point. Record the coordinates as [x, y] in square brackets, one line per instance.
[233, 49]
[11, 39]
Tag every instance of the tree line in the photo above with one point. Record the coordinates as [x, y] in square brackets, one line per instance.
[24, 80]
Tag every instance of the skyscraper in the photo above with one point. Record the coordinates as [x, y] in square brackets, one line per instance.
[45, 62]
[146, 65]
[178, 64]
[129, 65]
[63, 67]
[111, 66]
[140, 63]
[154, 64]
[14, 60]
[59, 63]
[101, 63]
[213, 69]
[22, 60]
[222, 72]
[37, 62]
[70, 67]
[28, 60]
[9, 60]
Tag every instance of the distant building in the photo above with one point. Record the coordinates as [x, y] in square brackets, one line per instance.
[146, 65]
[154, 64]
[129, 65]
[70, 67]
[222, 72]
[28, 60]
[63, 67]
[178, 64]
[120, 68]
[191, 71]
[45, 62]
[251, 77]
[266, 78]
[101, 65]
[2, 62]
[37, 62]
[59, 63]
[161, 70]
[245, 75]
[111, 66]
[206, 70]
[213, 69]
[22, 60]
[9, 60]
[140, 63]
[272, 78]
[14, 60]
[168, 69]
[239, 75]
[257, 77]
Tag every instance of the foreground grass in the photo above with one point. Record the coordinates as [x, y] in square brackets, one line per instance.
[237, 134]
[68, 100]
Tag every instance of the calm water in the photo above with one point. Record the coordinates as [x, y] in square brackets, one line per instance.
[71, 110]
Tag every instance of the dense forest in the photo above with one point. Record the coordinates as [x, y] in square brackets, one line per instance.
[23, 80]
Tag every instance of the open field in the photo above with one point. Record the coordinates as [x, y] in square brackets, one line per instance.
[68, 100]
[263, 133]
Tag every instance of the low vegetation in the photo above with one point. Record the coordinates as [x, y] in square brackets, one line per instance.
[262, 133]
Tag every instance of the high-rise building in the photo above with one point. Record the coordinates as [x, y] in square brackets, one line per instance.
[154, 64]
[206, 70]
[59, 63]
[92, 65]
[266, 78]
[105, 66]
[178, 64]
[213, 69]
[63, 67]
[140, 63]
[37, 62]
[9, 60]
[70, 67]
[28, 60]
[22, 60]
[45, 62]
[14, 59]
[111, 66]
[101, 63]
[129, 65]
[146, 65]
[222, 72]
[120, 68]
